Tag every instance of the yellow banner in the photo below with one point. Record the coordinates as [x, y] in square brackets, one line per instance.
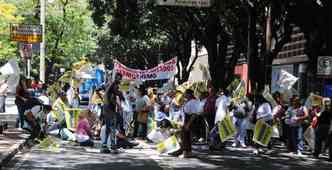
[226, 128]
[263, 133]
[26, 38]
[169, 145]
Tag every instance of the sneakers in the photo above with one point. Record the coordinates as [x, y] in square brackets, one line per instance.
[256, 152]
[115, 151]
[299, 153]
[316, 156]
[201, 140]
[235, 144]
[186, 155]
[105, 149]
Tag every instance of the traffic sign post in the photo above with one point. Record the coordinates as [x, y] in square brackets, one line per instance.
[26, 33]
[185, 3]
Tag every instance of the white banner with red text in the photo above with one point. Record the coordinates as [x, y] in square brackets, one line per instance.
[164, 70]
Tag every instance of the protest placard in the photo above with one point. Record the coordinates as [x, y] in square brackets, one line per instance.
[226, 128]
[263, 133]
[267, 95]
[169, 145]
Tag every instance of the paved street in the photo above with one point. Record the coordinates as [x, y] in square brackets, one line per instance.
[71, 156]
[11, 111]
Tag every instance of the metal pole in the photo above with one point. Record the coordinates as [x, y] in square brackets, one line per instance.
[268, 42]
[42, 44]
[29, 68]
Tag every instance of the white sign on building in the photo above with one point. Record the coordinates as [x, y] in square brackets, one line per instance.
[187, 3]
[324, 66]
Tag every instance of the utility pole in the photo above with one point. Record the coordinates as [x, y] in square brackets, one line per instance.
[250, 48]
[268, 43]
[43, 43]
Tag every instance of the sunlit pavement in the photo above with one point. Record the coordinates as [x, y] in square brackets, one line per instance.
[145, 157]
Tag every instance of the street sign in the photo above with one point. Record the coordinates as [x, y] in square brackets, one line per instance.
[26, 33]
[25, 50]
[324, 66]
[187, 3]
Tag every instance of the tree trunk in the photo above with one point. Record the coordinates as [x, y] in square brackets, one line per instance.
[184, 54]
[229, 75]
[254, 72]
[216, 62]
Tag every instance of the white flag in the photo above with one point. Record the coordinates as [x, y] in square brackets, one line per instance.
[10, 68]
[286, 80]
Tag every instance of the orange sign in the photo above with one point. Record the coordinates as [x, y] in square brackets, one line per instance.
[26, 33]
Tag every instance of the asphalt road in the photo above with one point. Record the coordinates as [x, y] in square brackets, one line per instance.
[70, 157]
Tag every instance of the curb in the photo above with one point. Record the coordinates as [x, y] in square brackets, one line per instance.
[13, 150]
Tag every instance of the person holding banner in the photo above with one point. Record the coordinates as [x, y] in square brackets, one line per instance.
[324, 129]
[295, 117]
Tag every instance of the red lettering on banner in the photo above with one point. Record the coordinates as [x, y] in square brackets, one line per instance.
[164, 70]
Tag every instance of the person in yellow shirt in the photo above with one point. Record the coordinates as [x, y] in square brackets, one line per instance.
[59, 108]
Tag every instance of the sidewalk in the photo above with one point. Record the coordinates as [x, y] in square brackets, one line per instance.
[11, 141]
[11, 113]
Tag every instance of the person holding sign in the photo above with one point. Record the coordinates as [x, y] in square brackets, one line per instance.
[264, 116]
[295, 117]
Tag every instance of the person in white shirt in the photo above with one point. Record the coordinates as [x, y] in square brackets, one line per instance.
[191, 109]
[36, 118]
[45, 98]
[142, 108]
[222, 103]
[264, 113]
[3, 94]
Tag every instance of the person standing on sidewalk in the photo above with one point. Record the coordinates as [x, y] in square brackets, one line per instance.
[323, 130]
[22, 96]
[111, 106]
[296, 114]
[191, 112]
[3, 94]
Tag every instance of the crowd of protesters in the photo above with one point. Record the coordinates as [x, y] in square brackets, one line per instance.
[116, 117]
